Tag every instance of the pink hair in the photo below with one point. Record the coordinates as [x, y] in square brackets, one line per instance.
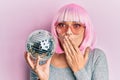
[73, 12]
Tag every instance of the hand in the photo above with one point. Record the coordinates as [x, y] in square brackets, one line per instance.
[41, 70]
[74, 56]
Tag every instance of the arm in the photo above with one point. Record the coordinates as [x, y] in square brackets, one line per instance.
[100, 71]
[81, 75]
[99, 67]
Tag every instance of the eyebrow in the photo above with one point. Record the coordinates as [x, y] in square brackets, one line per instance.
[72, 21]
[76, 21]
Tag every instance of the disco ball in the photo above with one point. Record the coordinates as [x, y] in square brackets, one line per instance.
[40, 43]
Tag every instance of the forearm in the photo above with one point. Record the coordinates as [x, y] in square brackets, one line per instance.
[81, 75]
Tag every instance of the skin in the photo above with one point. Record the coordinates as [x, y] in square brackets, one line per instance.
[71, 35]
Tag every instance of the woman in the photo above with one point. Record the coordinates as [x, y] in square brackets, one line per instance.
[75, 57]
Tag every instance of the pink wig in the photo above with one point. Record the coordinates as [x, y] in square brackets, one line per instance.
[73, 12]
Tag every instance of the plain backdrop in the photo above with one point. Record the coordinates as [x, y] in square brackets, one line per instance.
[18, 18]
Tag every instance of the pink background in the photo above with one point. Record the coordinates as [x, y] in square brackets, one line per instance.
[20, 17]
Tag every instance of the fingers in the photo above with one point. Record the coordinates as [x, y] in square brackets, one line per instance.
[25, 55]
[48, 62]
[87, 50]
[73, 44]
[38, 61]
[69, 51]
[28, 59]
[65, 49]
[41, 63]
[69, 46]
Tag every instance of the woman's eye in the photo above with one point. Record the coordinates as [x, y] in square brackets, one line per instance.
[77, 25]
[61, 25]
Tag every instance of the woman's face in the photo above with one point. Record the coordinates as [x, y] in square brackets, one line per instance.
[74, 30]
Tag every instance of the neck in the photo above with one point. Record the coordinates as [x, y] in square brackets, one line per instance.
[59, 60]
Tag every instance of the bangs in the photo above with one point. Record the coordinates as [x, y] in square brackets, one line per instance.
[70, 14]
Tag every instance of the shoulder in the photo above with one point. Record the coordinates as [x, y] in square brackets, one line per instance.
[99, 65]
[96, 52]
[97, 56]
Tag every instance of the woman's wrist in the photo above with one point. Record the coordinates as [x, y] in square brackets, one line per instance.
[42, 79]
[77, 69]
[39, 78]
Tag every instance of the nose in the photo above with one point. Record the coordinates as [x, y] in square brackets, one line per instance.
[69, 32]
